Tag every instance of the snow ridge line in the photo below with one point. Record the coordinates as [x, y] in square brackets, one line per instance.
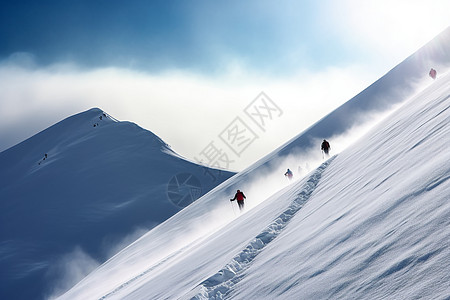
[219, 285]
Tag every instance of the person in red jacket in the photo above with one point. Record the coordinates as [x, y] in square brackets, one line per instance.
[432, 73]
[240, 199]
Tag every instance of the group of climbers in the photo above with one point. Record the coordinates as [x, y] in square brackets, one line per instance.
[239, 196]
[43, 159]
[101, 119]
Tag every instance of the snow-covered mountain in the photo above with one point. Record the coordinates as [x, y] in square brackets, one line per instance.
[372, 222]
[79, 191]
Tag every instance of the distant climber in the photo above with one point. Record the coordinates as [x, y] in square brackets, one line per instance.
[43, 159]
[289, 174]
[240, 199]
[432, 73]
[325, 147]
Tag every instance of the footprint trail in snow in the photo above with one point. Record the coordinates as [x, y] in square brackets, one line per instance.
[220, 284]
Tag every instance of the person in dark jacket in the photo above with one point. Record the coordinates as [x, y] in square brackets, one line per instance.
[240, 199]
[325, 147]
[289, 174]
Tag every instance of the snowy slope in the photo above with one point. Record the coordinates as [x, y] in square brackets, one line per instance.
[378, 223]
[370, 223]
[102, 184]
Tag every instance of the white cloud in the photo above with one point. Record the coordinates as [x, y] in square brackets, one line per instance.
[186, 110]
[388, 30]
[189, 110]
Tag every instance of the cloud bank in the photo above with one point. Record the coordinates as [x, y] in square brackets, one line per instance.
[185, 109]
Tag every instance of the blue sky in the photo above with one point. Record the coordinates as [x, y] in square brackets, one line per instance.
[199, 63]
[155, 35]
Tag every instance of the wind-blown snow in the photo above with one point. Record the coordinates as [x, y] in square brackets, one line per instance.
[376, 225]
[221, 282]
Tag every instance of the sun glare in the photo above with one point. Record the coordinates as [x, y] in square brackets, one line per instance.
[394, 27]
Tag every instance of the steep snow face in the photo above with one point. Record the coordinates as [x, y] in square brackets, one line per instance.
[378, 224]
[362, 111]
[76, 193]
[391, 90]
[372, 223]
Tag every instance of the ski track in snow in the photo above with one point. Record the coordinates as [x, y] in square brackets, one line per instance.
[220, 284]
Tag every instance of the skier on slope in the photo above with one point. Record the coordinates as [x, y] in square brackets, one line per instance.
[325, 147]
[240, 199]
[289, 174]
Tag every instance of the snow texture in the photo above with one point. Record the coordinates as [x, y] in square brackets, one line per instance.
[376, 225]
[216, 286]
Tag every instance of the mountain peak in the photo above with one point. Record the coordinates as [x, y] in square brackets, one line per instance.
[80, 183]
